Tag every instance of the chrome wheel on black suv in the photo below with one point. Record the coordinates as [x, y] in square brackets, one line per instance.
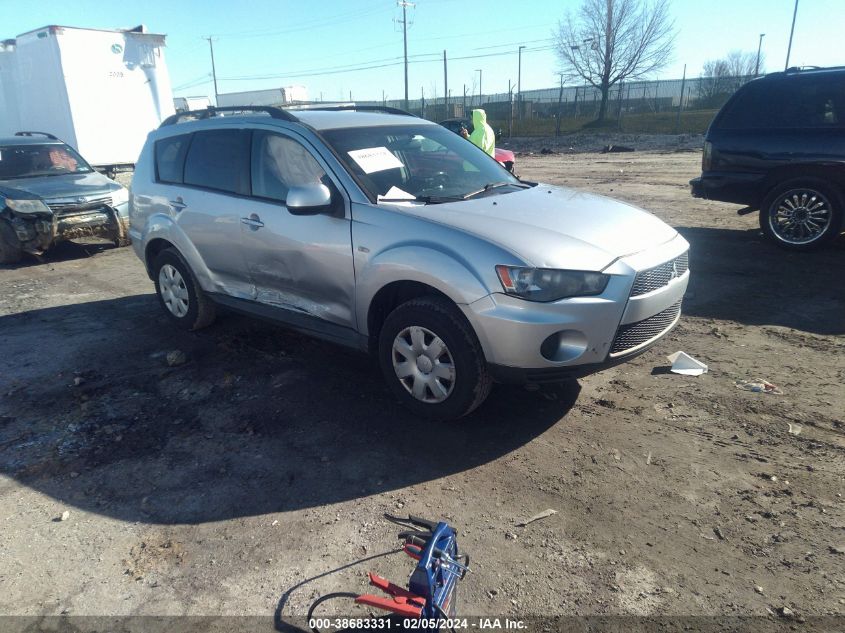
[801, 215]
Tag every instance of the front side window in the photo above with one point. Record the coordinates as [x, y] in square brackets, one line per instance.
[48, 159]
[219, 159]
[279, 163]
[423, 162]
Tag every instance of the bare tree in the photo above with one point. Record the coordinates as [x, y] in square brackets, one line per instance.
[720, 78]
[609, 41]
[742, 64]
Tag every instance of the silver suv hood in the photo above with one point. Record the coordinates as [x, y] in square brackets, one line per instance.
[554, 227]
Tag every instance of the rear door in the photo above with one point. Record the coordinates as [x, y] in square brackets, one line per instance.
[301, 263]
[209, 204]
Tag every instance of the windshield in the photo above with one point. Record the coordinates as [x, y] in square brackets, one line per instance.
[419, 162]
[31, 160]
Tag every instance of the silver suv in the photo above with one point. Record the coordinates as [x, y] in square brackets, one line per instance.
[378, 230]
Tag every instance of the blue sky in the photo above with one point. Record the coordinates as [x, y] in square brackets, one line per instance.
[271, 43]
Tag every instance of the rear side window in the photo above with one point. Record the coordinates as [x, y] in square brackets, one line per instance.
[219, 159]
[170, 158]
[792, 102]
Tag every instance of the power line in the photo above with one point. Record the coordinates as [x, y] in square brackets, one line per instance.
[545, 39]
[334, 69]
[374, 64]
[193, 82]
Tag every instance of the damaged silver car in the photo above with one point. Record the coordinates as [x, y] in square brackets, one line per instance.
[375, 229]
[48, 194]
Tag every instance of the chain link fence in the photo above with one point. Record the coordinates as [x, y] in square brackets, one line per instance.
[658, 106]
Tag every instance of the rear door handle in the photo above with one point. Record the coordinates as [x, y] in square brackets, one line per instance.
[178, 204]
[253, 222]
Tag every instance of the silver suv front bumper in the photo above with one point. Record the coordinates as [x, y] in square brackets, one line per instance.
[526, 341]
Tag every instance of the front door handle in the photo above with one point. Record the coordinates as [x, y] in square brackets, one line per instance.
[178, 204]
[253, 222]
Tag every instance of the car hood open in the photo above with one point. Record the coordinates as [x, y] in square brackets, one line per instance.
[554, 227]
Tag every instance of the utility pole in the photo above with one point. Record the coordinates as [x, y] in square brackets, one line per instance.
[478, 70]
[791, 32]
[405, 5]
[560, 105]
[519, 87]
[759, 46]
[619, 99]
[510, 109]
[445, 89]
[213, 70]
[576, 98]
[464, 103]
[422, 102]
[681, 102]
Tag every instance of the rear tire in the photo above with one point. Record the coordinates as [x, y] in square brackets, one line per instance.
[802, 214]
[179, 293]
[432, 360]
[10, 246]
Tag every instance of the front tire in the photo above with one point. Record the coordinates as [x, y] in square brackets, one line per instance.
[432, 360]
[179, 293]
[801, 215]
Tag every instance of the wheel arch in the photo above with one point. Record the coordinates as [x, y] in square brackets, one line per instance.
[391, 296]
[831, 174]
[408, 272]
[152, 249]
[161, 232]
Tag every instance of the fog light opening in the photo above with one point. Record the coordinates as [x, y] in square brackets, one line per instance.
[563, 346]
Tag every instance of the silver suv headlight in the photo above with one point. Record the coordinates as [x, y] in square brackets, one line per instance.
[27, 206]
[549, 284]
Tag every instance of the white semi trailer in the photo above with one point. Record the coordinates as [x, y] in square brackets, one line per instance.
[100, 91]
[268, 97]
[184, 104]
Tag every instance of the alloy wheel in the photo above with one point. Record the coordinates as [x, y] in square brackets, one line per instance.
[800, 216]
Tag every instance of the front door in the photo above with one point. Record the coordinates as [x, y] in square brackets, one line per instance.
[301, 263]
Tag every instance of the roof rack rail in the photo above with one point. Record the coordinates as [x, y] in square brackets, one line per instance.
[799, 69]
[210, 111]
[33, 133]
[365, 108]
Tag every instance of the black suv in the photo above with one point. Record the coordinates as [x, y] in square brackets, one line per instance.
[778, 145]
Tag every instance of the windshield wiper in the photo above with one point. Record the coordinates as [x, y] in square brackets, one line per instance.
[492, 185]
[424, 199]
[456, 198]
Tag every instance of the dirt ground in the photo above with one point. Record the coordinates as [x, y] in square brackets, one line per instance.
[252, 478]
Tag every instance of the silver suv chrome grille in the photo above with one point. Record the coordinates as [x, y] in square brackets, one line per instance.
[660, 275]
[633, 335]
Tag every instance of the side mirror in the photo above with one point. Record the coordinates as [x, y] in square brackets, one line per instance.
[308, 199]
